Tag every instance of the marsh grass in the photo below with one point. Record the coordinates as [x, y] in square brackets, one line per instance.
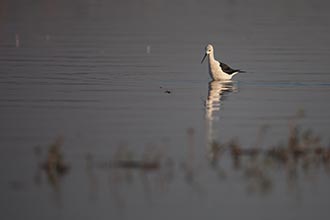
[54, 164]
[302, 154]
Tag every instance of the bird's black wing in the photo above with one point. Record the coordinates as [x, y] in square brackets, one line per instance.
[227, 69]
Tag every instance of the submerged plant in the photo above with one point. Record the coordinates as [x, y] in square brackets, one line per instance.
[54, 165]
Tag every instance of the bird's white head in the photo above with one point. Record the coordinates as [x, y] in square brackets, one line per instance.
[208, 50]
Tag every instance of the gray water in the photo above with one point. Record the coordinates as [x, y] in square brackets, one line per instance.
[125, 76]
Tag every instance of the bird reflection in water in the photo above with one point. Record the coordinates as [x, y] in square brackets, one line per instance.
[217, 92]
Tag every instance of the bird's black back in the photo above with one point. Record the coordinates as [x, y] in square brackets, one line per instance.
[227, 69]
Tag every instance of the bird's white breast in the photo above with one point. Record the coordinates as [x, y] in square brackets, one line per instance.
[216, 72]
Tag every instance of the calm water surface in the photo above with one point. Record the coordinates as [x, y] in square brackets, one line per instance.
[124, 78]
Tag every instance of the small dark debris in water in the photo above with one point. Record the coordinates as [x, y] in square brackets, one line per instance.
[166, 91]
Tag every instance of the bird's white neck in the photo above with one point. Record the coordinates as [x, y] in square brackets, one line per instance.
[211, 57]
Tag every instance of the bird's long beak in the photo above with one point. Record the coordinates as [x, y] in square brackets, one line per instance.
[204, 57]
